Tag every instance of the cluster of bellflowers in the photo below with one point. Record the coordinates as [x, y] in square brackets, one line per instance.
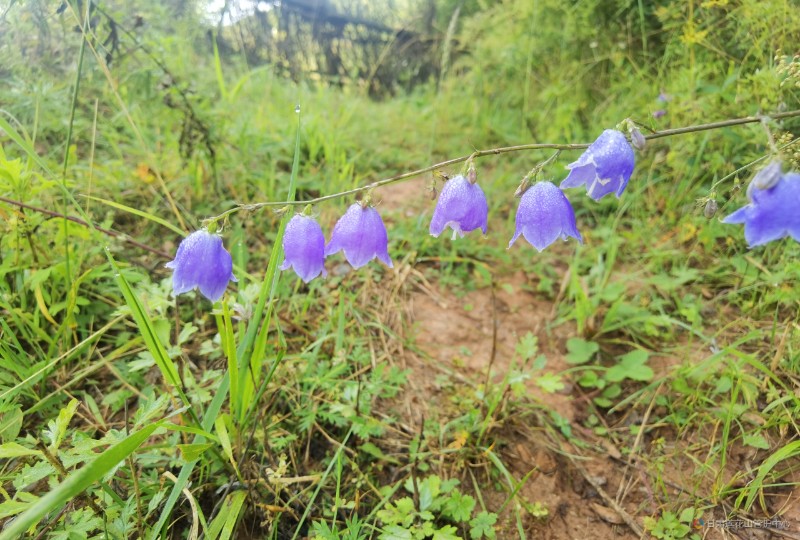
[544, 215]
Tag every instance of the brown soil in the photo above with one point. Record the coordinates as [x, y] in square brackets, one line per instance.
[462, 341]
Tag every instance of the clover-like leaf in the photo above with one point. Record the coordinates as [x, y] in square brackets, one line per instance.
[580, 350]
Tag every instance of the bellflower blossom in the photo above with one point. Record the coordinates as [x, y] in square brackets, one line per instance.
[461, 206]
[545, 214]
[360, 232]
[304, 248]
[772, 213]
[202, 263]
[605, 167]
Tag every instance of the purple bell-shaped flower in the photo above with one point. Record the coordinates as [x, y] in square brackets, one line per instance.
[461, 206]
[304, 248]
[360, 232]
[202, 263]
[544, 215]
[772, 213]
[605, 167]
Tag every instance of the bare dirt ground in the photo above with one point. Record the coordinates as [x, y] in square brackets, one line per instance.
[446, 331]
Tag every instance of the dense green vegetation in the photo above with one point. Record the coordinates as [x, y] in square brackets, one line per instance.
[286, 410]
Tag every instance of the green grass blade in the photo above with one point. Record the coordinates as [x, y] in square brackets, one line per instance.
[789, 451]
[222, 526]
[77, 483]
[26, 146]
[141, 213]
[165, 364]
[270, 283]
[186, 471]
[223, 92]
[225, 327]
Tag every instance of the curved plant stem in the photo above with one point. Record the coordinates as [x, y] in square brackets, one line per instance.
[495, 151]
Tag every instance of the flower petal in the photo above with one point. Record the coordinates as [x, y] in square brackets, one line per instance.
[304, 248]
[772, 214]
[202, 262]
[579, 176]
[461, 206]
[360, 232]
[605, 167]
[544, 215]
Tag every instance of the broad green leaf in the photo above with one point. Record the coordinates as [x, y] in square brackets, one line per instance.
[191, 452]
[11, 424]
[631, 366]
[687, 515]
[448, 532]
[482, 525]
[459, 506]
[756, 441]
[12, 508]
[580, 350]
[12, 450]
[395, 532]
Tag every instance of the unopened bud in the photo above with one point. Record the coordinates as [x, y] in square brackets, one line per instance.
[472, 174]
[637, 139]
[523, 187]
[710, 208]
[768, 176]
